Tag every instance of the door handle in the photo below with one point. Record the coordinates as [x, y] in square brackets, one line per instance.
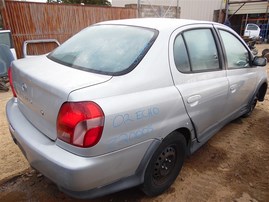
[193, 100]
[232, 89]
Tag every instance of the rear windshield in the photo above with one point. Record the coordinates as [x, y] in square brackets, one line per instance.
[105, 49]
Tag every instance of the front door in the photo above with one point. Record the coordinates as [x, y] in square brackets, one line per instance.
[241, 76]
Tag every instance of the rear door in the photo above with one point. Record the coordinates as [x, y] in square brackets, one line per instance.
[241, 75]
[197, 71]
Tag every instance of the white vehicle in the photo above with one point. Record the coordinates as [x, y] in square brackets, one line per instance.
[252, 31]
[5, 38]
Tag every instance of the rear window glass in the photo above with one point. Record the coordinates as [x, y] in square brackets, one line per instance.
[105, 49]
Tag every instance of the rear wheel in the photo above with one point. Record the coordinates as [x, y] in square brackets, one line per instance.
[165, 165]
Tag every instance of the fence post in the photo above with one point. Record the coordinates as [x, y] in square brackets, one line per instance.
[3, 12]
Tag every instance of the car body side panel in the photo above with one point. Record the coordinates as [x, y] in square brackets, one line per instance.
[132, 118]
[212, 94]
[242, 85]
[262, 77]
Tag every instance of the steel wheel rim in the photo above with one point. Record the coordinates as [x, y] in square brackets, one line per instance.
[164, 165]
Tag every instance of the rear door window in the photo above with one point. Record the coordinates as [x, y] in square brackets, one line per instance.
[181, 55]
[196, 51]
[202, 49]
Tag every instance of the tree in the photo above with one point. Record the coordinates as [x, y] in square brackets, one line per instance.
[88, 2]
[54, 1]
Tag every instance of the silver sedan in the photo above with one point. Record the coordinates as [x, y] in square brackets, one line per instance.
[122, 103]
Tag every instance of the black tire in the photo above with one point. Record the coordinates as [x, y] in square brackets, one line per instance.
[251, 107]
[165, 165]
[3, 87]
[265, 53]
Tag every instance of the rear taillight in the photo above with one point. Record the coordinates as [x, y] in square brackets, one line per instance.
[11, 82]
[80, 123]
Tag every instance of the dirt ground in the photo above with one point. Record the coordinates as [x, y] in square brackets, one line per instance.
[232, 166]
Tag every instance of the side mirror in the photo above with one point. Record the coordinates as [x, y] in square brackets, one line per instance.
[259, 61]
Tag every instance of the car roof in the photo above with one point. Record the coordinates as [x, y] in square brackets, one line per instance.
[157, 23]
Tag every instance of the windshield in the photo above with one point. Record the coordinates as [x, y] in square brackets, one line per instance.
[105, 49]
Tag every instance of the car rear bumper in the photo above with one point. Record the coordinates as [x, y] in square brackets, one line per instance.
[69, 171]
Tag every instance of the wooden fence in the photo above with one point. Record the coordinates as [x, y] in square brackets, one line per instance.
[29, 21]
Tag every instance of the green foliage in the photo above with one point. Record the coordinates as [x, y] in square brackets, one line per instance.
[54, 1]
[86, 2]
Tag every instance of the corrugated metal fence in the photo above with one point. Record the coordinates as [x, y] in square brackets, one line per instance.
[58, 21]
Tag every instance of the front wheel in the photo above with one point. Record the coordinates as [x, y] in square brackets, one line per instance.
[165, 164]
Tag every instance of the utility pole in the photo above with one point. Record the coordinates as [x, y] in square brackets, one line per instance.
[177, 14]
[138, 8]
[226, 10]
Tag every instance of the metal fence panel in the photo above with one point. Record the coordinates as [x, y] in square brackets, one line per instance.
[28, 20]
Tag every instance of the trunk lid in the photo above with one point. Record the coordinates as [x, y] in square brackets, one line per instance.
[42, 86]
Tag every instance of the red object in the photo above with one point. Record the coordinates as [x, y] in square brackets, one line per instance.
[11, 82]
[80, 123]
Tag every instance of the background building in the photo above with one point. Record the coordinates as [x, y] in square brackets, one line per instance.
[238, 12]
[189, 9]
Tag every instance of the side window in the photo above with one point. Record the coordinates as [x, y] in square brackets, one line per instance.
[202, 49]
[236, 53]
[180, 55]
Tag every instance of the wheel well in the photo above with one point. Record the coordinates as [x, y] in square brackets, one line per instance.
[261, 92]
[187, 134]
